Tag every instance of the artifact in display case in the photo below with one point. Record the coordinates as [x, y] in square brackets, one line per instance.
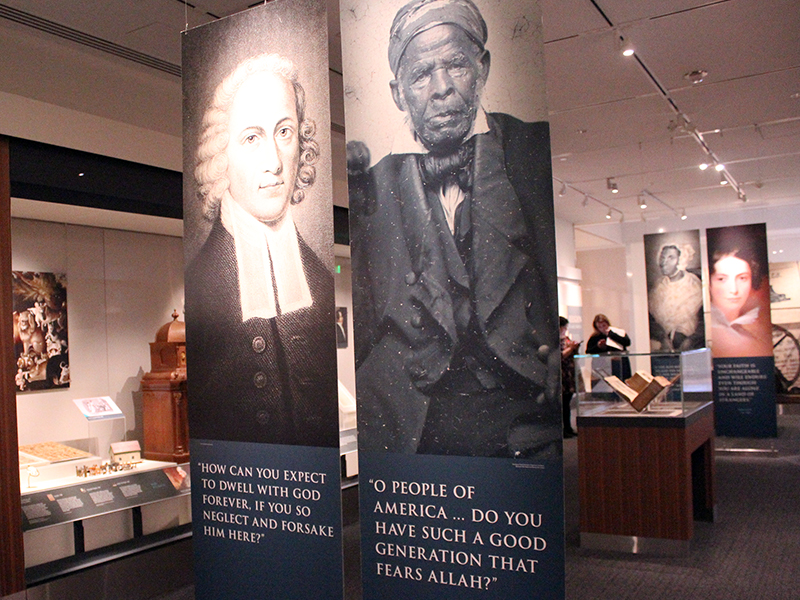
[165, 412]
[49, 452]
[641, 389]
[645, 453]
[126, 452]
[658, 388]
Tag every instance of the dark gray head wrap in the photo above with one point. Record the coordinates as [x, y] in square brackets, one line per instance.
[420, 15]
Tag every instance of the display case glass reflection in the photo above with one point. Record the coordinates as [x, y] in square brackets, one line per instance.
[643, 385]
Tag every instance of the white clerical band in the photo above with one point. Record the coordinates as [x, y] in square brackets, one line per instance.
[264, 251]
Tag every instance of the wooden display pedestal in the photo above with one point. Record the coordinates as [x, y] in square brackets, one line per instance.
[166, 430]
[644, 480]
[165, 408]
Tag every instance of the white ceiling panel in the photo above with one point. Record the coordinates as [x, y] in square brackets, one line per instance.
[759, 99]
[730, 40]
[608, 117]
[579, 74]
[568, 18]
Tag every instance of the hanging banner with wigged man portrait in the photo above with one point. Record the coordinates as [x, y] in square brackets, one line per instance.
[261, 342]
[454, 299]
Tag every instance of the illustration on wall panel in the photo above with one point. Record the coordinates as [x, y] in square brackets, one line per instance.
[40, 330]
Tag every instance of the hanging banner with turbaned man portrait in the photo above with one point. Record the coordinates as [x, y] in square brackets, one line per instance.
[261, 342]
[741, 331]
[455, 302]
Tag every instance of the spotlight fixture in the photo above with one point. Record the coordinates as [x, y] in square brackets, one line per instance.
[742, 196]
[719, 167]
[722, 179]
[608, 214]
[626, 47]
[563, 191]
[683, 214]
[612, 185]
[585, 200]
[642, 201]
[703, 166]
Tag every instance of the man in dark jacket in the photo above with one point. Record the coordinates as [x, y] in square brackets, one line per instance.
[454, 259]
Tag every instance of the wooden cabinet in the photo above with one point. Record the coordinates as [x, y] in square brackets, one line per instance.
[644, 480]
[166, 423]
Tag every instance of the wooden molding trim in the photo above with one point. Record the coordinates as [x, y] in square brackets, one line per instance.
[12, 556]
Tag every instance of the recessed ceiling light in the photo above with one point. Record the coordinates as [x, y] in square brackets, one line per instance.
[81, 174]
[695, 76]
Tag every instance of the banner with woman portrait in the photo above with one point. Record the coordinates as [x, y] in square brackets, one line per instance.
[260, 336]
[741, 331]
[455, 308]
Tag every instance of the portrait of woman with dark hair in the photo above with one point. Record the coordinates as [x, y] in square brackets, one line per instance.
[739, 292]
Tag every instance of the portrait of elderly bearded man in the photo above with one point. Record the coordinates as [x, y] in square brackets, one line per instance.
[259, 301]
[455, 307]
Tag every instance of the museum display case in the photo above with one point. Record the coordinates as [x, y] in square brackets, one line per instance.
[81, 495]
[645, 450]
[643, 385]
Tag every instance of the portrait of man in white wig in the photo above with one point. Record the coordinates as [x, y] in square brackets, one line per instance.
[260, 303]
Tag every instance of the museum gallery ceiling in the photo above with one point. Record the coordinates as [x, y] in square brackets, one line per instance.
[708, 80]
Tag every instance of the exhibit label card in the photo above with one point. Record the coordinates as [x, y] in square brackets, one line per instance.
[741, 331]
[260, 328]
[454, 299]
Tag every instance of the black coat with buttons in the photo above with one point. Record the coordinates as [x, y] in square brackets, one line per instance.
[264, 380]
[406, 266]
